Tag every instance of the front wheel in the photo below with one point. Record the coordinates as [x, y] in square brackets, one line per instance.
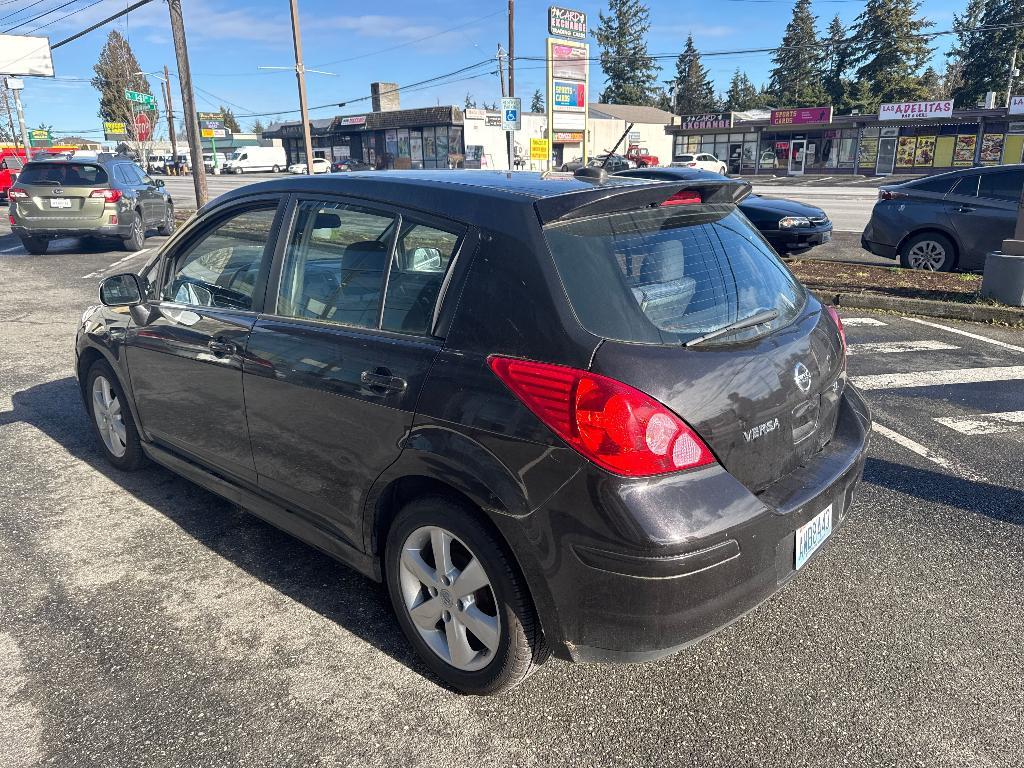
[112, 419]
[929, 251]
[459, 598]
[276, 169]
[137, 239]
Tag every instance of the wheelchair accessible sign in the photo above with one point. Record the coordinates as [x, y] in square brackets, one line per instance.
[512, 114]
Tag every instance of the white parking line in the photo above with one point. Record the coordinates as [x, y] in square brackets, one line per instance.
[912, 445]
[853, 322]
[120, 261]
[985, 423]
[969, 335]
[939, 378]
[890, 347]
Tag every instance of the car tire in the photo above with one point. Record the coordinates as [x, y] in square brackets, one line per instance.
[722, 170]
[112, 419]
[137, 239]
[35, 245]
[167, 228]
[930, 251]
[276, 169]
[510, 645]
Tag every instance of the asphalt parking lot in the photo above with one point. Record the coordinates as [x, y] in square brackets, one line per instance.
[146, 622]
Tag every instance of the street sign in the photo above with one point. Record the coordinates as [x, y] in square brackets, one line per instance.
[511, 114]
[146, 99]
[143, 128]
[39, 136]
[539, 149]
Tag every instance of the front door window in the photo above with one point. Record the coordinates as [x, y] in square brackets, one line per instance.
[797, 157]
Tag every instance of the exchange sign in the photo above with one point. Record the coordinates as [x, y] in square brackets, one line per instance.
[565, 22]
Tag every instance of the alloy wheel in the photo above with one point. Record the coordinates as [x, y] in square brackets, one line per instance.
[449, 598]
[927, 254]
[106, 410]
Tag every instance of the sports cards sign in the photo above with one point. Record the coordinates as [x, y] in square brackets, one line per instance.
[909, 110]
[565, 22]
[569, 96]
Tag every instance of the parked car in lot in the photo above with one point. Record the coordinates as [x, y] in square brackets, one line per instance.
[257, 159]
[208, 158]
[595, 417]
[108, 197]
[319, 166]
[790, 226]
[10, 167]
[947, 221]
[349, 164]
[702, 162]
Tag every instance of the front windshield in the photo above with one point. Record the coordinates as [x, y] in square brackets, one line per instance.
[668, 275]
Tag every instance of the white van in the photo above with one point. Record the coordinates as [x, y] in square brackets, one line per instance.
[251, 159]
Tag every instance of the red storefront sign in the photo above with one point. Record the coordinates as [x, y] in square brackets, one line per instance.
[802, 116]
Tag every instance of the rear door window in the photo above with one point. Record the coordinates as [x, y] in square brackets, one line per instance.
[422, 257]
[939, 184]
[63, 174]
[1002, 185]
[966, 186]
[669, 275]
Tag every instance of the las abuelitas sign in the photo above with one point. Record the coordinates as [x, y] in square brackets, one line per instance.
[908, 110]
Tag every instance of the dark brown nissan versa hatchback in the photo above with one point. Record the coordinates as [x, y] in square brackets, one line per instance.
[586, 416]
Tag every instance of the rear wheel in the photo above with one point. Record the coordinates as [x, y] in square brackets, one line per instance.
[167, 228]
[276, 169]
[112, 419]
[137, 239]
[460, 600]
[35, 245]
[929, 251]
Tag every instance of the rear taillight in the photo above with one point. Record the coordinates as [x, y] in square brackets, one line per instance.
[691, 165]
[891, 194]
[614, 425]
[686, 197]
[16, 193]
[11, 219]
[839, 324]
[109, 195]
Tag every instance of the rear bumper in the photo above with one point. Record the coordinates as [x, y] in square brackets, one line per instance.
[78, 229]
[725, 550]
[879, 249]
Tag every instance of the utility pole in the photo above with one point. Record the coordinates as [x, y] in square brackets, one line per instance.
[511, 76]
[1013, 71]
[188, 103]
[169, 109]
[501, 71]
[300, 74]
[15, 85]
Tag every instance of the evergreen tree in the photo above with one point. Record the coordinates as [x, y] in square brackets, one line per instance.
[956, 57]
[257, 127]
[835, 62]
[470, 102]
[987, 61]
[932, 84]
[742, 95]
[116, 72]
[695, 93]
[230, 123]
[628, 68]
[537, 102]
[796, 78]
[889, 52]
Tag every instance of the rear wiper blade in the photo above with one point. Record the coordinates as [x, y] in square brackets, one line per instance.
[748, 322]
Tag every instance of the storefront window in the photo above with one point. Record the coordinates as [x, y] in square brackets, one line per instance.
[391, 147]
[991, 148]
[441, 139]
[416, 148]
[429, 149]
[455, 152]
[963, 150]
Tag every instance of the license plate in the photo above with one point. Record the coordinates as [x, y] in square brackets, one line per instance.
[811, 536]
[60, 202]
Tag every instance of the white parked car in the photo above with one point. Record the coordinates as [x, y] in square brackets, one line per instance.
[319, 166]
[703, 162]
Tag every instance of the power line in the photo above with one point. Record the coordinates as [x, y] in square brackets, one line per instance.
[99, 24]
[20, 10]
[25, 22]
[67, 15]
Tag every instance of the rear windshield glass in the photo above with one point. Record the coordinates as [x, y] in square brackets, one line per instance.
[64, 174]
[669, 275]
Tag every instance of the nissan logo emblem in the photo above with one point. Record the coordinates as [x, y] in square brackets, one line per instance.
[802, 377]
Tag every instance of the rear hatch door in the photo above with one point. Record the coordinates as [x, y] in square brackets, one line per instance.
[62, 191]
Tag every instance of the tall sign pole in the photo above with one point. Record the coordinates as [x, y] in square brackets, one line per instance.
[300, 75]
[188, 102]
[568, 78]
[511, 76]
[15, 85]
[169, 109]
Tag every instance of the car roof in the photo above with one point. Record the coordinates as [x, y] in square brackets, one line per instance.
[957, 173]
[83, 160]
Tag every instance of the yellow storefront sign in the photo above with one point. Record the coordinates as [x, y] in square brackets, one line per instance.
[539, 149]
[207, 133]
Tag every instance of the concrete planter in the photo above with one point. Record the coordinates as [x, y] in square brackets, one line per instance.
[1004, 278]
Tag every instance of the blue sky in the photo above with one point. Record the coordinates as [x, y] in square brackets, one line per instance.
[401, 41]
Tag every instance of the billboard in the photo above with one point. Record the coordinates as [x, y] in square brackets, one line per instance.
[568, 61]
[565, 22]
[569, 96]
[25, 55]
[906, 110]
[802, 116]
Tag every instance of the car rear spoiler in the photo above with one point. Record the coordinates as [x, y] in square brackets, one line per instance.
[615, 197]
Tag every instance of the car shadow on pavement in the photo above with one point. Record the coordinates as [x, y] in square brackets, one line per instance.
[995, 501]
[301, 572]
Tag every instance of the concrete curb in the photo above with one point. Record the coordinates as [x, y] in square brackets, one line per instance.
[950, 310]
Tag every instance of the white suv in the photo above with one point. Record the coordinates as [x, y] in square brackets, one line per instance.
[704, 162]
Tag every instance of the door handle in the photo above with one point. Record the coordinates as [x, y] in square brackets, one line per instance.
[219, 347]
[378, 380]
[965, 209]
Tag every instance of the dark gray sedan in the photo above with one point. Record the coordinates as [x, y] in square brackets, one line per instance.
[948, 221]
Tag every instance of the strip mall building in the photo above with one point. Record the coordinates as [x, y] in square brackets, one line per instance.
[905, 138]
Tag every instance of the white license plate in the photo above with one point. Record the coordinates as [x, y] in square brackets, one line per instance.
[60, 202]
[811, 536]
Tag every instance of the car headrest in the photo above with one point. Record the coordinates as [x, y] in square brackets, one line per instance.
[664, 263]
[365, 254]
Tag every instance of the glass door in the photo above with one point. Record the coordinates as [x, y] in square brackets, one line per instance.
[886, 156]
[797, 157]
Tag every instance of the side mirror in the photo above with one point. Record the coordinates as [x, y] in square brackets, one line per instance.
[122, 290]
[159, 182]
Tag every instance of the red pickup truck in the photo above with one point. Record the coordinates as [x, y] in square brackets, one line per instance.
[641, 157]
[11, 162]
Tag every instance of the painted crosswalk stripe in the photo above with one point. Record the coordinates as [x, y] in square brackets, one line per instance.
[939, 378]
[890, 347]
[985, 423]
[968, 334]
[852, 322]
[952, 467]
